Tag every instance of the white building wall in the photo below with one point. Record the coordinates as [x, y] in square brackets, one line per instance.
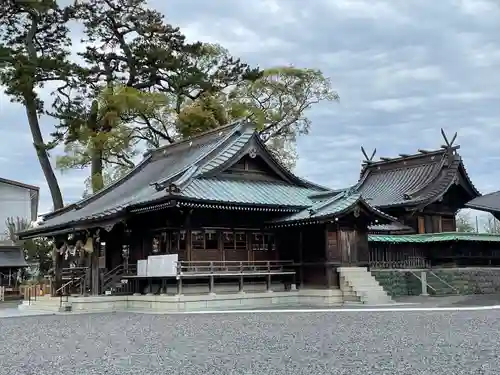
[14, 202]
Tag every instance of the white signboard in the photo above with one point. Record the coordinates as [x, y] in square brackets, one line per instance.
[162, 265]
[142, 268]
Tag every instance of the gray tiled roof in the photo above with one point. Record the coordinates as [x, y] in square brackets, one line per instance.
[187, 165]
[488, 202]
[421, 180]
[137, 186]
[409, 180]
[11, 255]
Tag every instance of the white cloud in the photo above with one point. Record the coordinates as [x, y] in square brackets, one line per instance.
[396, 104]
[479, 8]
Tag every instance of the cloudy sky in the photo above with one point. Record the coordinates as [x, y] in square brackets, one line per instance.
[403, 70]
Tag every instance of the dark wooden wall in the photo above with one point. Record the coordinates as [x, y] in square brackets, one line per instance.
[204, 235]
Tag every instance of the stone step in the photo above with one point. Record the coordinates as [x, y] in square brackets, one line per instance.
[363, 284]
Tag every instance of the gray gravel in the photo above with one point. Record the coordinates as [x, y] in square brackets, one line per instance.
[262, 343]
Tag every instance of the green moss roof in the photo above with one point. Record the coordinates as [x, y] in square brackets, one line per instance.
[435, 237]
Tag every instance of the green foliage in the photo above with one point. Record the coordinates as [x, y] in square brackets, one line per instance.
[277, 102]
[109, 176]
[36, 251]
[33, 41]
[33, 52]
[104, 129]
[140, 83]
[205, 113]
[138, 73]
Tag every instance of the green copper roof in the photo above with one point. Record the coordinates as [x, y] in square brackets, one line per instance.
[247, 192]
[434, 237]
[338, 205]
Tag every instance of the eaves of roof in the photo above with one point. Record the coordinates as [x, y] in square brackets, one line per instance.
[334, 207]
[488, 202]
[19, 184]
[433, 238]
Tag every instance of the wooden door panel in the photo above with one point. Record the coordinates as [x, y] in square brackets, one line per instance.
[348, 243]
[236, 255]
[208, 255]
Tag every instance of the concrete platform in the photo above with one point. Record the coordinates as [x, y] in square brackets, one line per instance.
[183, 303]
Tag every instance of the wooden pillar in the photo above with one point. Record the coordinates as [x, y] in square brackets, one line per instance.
[56, 266]
[301, 257]
[249, 246]
[94, 268]
[332, 255]
[187, 225]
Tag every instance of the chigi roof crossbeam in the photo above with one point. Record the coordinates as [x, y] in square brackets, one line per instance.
[448, 146]
[413, 179]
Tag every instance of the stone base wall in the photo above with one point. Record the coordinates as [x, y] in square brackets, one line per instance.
[463, 280]
[398, 283]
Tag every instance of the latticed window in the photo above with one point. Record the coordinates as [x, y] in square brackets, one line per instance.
[204, 239]
[234, 240]
[177, 241]
[262, 242]
[198, 240]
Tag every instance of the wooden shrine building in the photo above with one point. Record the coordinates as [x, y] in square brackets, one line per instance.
[423, 191]
[222, 197]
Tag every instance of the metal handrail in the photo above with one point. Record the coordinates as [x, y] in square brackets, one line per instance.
[67, 284]
[445, 283]
[64, 286]
[110, 274]
[420, 279]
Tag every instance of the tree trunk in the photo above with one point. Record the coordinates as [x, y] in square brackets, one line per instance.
[41, 152]
[30, 103]
[96, 170]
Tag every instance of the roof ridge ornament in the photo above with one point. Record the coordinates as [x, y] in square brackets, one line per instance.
[448, 143]
[449, 146]
[368, 160]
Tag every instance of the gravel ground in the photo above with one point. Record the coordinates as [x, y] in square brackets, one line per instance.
[262, 343]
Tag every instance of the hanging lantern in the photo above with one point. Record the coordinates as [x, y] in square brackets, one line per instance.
[89, 245]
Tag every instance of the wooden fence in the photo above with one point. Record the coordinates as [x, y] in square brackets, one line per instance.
[35, 290]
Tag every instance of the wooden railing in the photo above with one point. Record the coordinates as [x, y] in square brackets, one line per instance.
[193, 268]
[211, 270]
[238, 269]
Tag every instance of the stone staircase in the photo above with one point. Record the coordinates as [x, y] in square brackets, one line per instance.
[438, 287]
[359, 286]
